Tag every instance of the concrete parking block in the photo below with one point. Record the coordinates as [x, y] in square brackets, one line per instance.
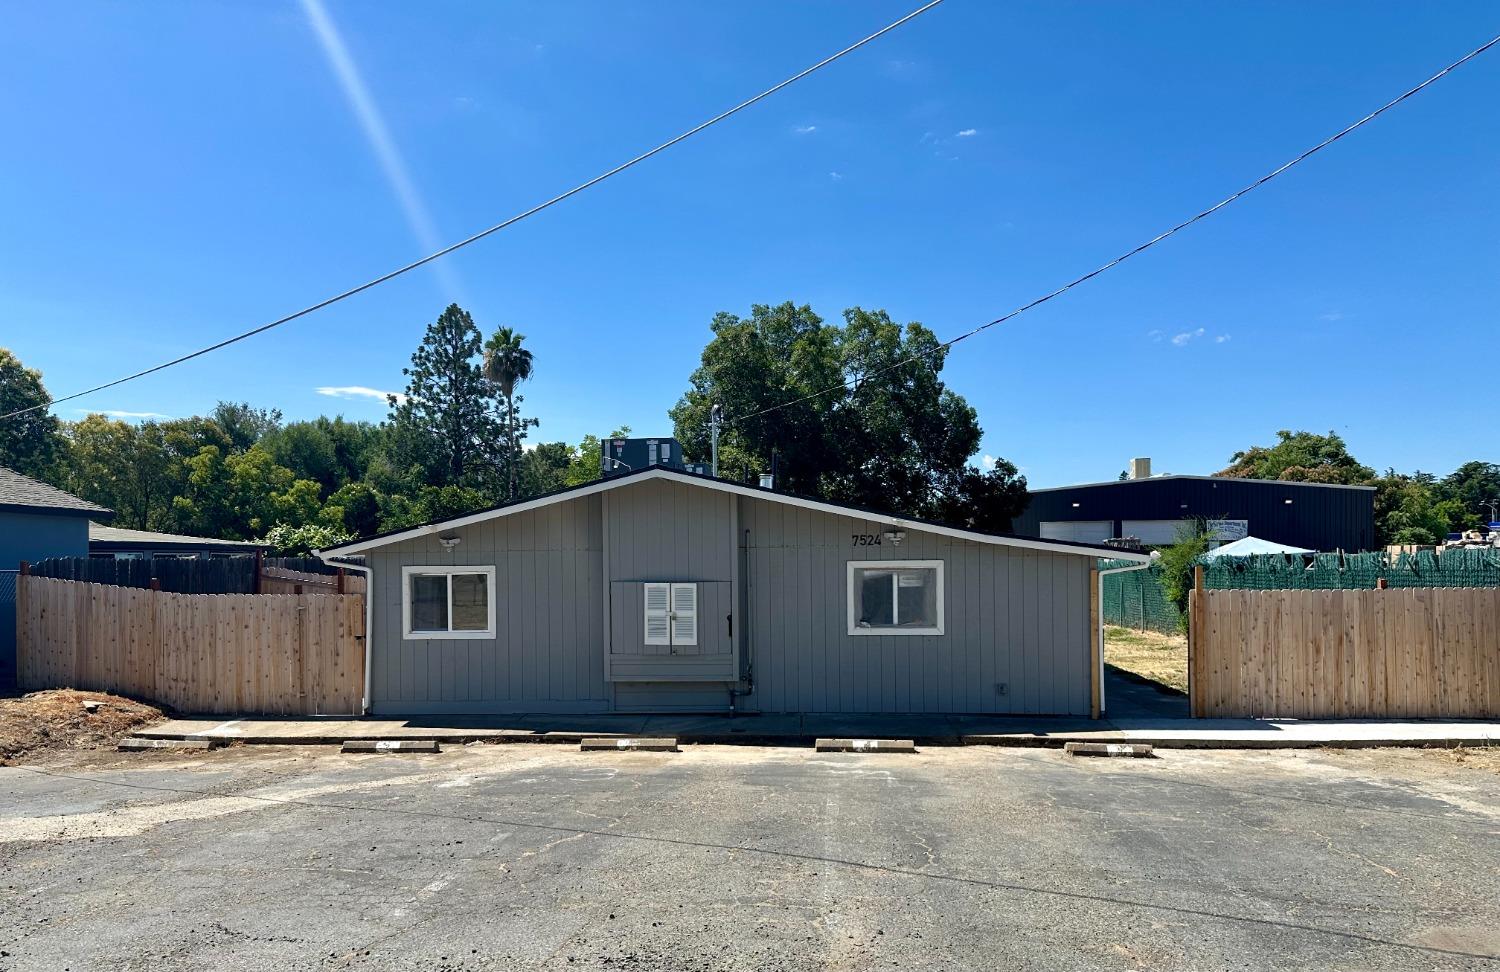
[390, 746]
[866, 746]
[134, 743]
[632, 743]
[1137, 750]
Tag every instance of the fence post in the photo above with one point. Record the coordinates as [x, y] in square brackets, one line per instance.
[156, 583]
[260, 565]
[1380, 583]
[1195, 643]
[340, 587]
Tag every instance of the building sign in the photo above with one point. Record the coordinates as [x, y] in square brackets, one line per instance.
[1228, 531]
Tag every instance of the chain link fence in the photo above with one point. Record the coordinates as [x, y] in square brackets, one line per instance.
[1134, 599]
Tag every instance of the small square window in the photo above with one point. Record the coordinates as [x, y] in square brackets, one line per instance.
[448, 602]
[896, 597]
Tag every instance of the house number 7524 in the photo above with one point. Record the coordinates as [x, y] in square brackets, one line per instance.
[865, 539]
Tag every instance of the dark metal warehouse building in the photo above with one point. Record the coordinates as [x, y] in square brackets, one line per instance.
[1317, 516]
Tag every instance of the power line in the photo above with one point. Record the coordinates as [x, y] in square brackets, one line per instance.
[498, 226]
[852, 382]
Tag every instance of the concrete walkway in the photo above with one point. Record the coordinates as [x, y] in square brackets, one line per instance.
[801, 730]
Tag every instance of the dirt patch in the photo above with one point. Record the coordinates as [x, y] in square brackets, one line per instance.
[1158, 657]
[41, 723]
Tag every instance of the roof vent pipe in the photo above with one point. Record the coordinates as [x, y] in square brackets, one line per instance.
[767, 481]
[1140, 468]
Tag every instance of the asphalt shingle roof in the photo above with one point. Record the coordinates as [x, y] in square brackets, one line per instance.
[23, 492]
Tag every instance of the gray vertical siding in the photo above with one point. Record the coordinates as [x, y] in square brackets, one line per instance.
[1013, 617]
[547, 654]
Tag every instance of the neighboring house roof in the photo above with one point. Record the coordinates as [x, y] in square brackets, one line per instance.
[741, 489]
[107, 537]
[23, 493]
[1250, 546]
[1212, 479]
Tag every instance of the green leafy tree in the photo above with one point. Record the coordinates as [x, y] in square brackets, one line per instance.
[285, 540]
[125, 467]
[444, 431]
[545, 468]
[897, 439]
[30, 444]
[1303, 457]
[1409, 509]
[354, 508]
[584, 466]
[243, 424]
[1474, 486]
[508, 364]
[1177, 563]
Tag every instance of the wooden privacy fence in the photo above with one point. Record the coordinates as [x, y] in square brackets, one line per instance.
[1328, 654]
[280, 580]
[286, 654]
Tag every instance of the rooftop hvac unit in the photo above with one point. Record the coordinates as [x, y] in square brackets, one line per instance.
[619, 456]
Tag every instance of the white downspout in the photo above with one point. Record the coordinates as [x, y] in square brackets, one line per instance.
[1155, 556]
[364, 702]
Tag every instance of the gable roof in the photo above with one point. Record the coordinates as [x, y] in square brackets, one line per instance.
[740, 489]
[25, 494]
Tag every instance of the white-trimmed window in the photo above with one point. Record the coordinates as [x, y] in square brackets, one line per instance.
[671, 614]
[895, 597]
[448, 602]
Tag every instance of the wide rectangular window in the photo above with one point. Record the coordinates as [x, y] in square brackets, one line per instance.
[448, 602]
[896, 597]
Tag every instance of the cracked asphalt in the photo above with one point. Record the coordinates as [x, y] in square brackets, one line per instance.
[716, 858]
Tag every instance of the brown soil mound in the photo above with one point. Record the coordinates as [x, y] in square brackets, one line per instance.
[44, 722]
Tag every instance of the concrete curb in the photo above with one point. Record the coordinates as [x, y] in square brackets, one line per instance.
[1135, 750]
[865, 746]
[641, 744]
[390, 746]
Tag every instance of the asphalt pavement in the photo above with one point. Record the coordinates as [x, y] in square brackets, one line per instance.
[720, 857]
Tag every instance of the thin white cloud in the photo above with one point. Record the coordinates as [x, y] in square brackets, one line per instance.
[968, 133]
[1155, 334]
[988, 462]
[835, 176]
[1331, 316]
[378, 135]
[1222, 338]
[805, 129]
[358, 391]
[1187, 337]
[116, 413]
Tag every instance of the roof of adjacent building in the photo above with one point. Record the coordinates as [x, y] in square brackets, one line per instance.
[19, 492]
[105, 537]
[1214, 479]
[742, 489]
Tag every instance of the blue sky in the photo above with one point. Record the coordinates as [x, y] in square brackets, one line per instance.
[175, 173]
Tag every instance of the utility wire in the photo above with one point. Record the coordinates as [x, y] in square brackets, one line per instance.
[853, 382]
[498, 226]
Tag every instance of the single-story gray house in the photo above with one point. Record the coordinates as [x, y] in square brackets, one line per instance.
[660, 590]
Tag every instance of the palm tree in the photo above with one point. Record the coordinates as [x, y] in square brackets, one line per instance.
[507, 364]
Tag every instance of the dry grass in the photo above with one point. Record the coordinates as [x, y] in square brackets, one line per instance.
[47, 722]
[1158, 657]
[1474, 757]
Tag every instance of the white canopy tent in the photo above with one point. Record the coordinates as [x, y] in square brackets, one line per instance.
[1249, 546]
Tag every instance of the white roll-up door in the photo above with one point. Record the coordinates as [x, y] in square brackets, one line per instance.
[1154, 533]
[1079, 531]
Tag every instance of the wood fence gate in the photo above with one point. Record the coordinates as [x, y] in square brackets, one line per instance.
[276, 654]
[1411, 652]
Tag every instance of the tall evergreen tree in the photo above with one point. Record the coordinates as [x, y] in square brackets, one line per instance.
[444, 430]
